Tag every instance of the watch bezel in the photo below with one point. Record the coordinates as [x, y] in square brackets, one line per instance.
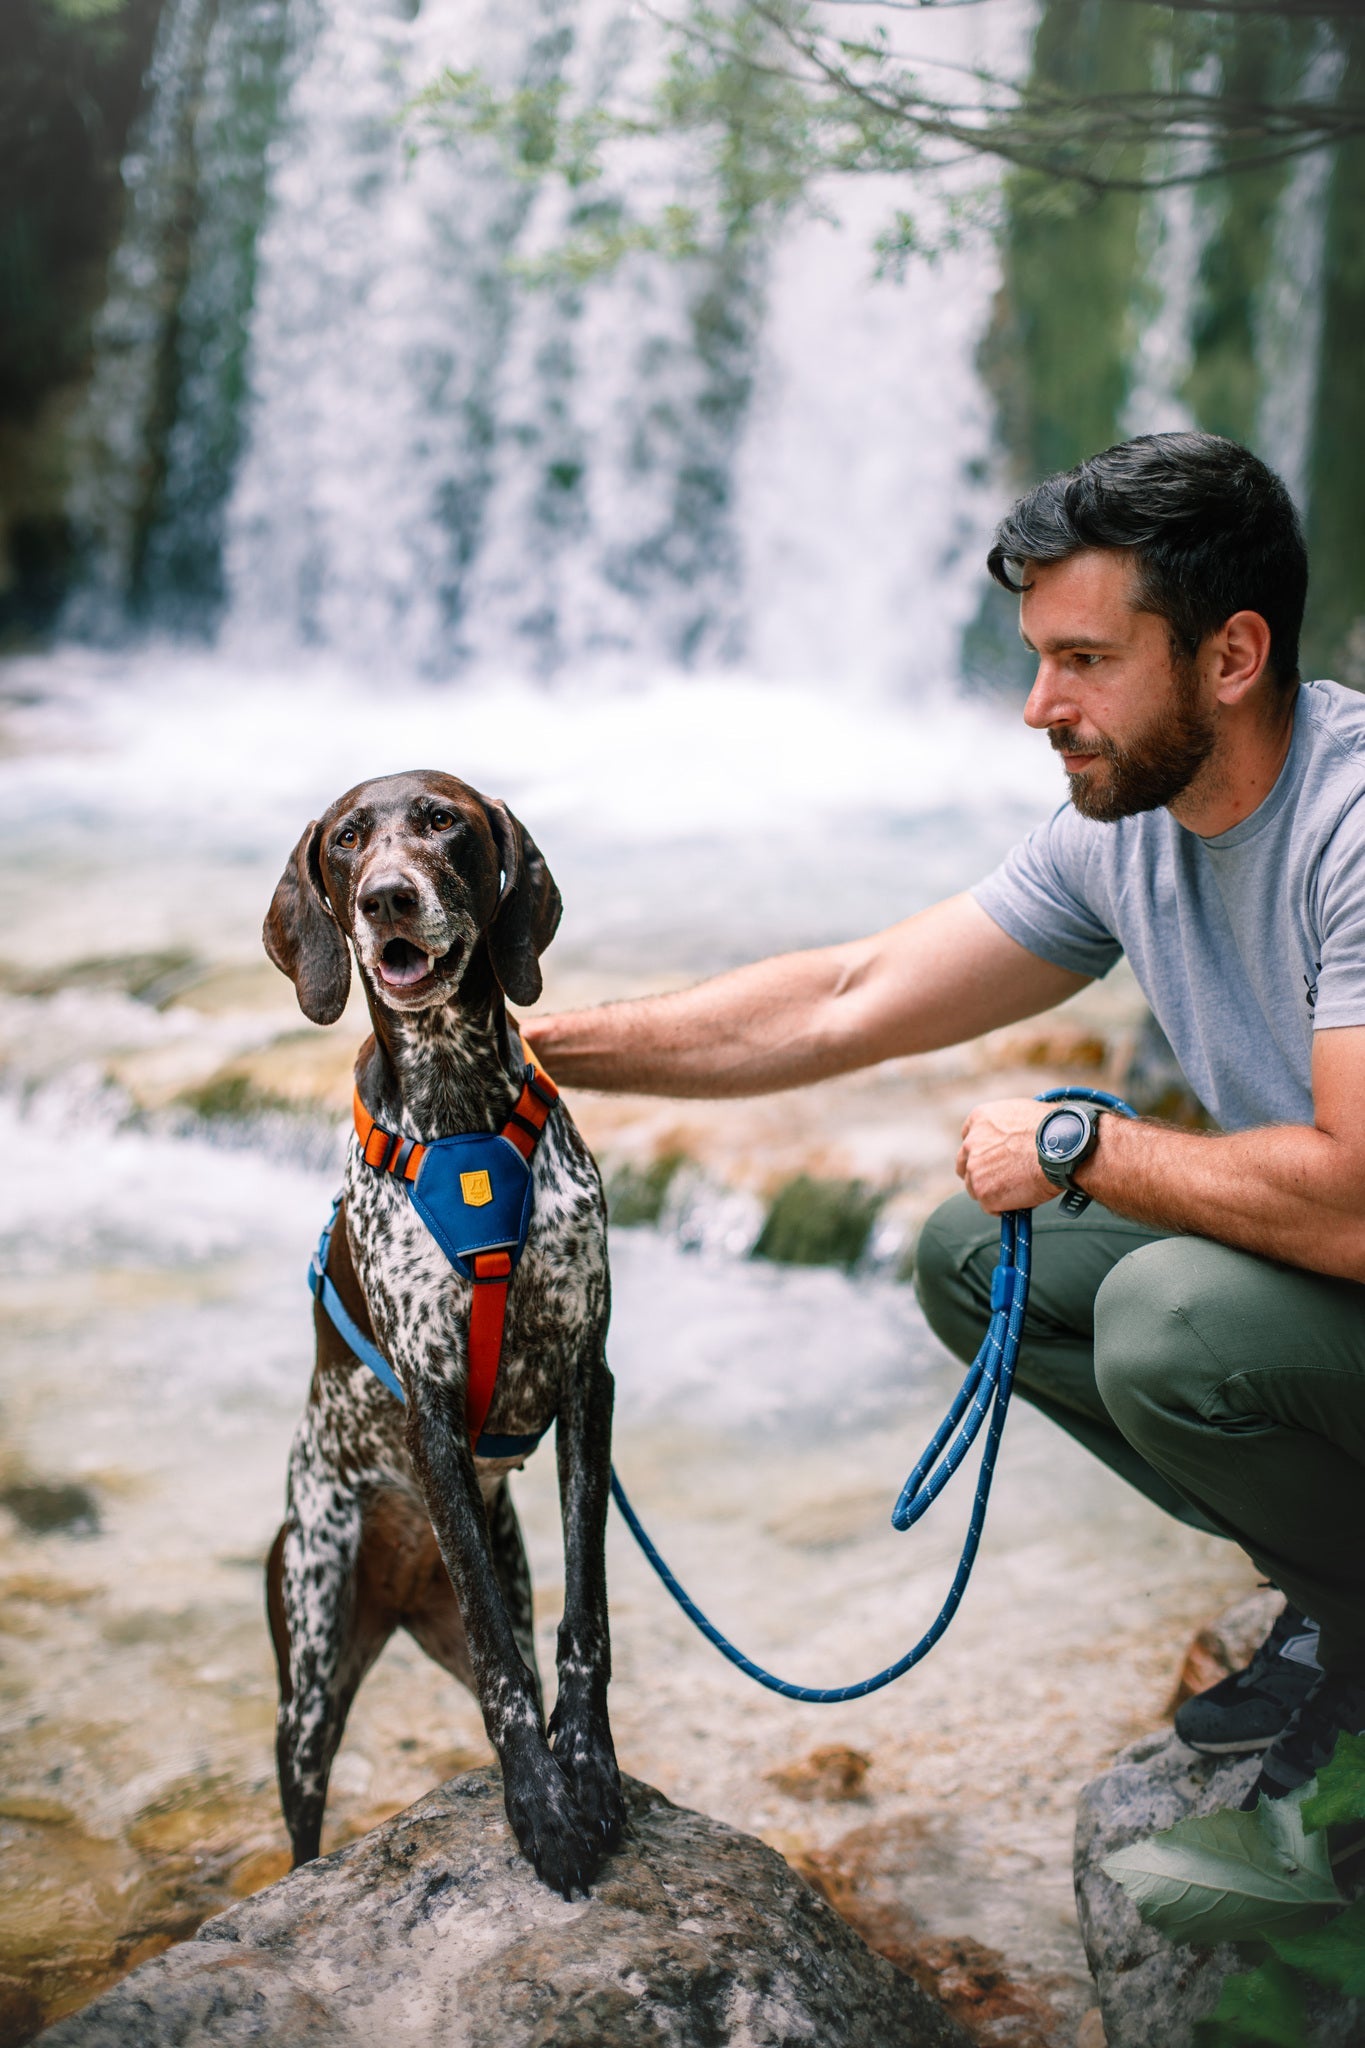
[1059, 1171]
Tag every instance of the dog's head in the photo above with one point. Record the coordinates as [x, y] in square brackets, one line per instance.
[414, 871]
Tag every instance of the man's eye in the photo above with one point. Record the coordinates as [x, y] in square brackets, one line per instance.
[441, 821]
[347, 836]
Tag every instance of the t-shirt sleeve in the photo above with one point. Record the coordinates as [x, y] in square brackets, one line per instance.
[1341, 911]
[1038, 897]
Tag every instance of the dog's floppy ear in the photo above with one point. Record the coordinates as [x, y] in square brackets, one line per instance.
[304, 939]
[528, 909]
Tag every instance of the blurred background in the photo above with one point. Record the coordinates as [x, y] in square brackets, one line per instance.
[611, 404]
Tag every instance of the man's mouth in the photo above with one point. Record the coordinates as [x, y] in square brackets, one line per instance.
[1073, 757]
[403, 965]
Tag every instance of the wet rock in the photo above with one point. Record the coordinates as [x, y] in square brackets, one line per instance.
[996, 2004]
[1226, 1644]
[819, 1223]
[833, 1772]
[434, 1929]
[52, 1508]
[1150, 1989]
[20, 2011]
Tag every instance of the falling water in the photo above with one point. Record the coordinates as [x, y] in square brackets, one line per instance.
[327, 414]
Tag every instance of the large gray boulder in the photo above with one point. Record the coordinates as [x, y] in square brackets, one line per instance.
[434, 1930]
[1152, 1991]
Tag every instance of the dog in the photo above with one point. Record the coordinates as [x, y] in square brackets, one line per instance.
[392, 1520]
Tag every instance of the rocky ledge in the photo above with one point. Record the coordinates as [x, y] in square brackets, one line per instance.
[1153, 1991]
[433, 1929]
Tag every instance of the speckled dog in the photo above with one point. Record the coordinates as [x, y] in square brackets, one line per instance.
[392, 1521]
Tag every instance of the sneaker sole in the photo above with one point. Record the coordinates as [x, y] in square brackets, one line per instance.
[1254, 1748]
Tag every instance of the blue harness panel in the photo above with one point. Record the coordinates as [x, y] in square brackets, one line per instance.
[473, 1192]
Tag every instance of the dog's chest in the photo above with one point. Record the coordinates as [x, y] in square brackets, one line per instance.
[556, 1303]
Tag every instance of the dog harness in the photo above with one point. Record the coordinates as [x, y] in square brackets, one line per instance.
[474, 1193]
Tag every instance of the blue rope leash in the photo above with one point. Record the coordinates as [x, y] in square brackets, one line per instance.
[985, 1392]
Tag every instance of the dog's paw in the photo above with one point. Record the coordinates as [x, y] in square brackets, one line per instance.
[588, 1760]
[555, 1835]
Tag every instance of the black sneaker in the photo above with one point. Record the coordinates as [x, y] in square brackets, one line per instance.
[1243, 1713]
[1335, 1705]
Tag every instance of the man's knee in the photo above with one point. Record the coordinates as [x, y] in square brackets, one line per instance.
[1150, 1359]
[948, 1279]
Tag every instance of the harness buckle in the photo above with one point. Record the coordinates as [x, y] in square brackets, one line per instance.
[544, 1091]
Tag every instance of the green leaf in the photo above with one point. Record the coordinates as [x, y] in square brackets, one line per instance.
[1262, 2005]
[1340, 1794]
[1334, 1954]
[1229, 1876]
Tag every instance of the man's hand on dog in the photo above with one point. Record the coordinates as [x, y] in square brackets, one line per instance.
[998, 1157]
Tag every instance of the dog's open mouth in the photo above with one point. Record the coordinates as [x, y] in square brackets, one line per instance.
[403, 965]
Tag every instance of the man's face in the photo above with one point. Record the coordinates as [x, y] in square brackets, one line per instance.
[1126, 715]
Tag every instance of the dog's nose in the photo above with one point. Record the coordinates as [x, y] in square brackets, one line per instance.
[386, 898]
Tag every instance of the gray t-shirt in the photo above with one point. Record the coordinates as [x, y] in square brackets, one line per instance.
[1243, 944]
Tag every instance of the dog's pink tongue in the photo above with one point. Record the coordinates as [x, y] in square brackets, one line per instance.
[402, 975]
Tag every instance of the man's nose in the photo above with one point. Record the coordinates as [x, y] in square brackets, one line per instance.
[1048, 701]
[384, 898]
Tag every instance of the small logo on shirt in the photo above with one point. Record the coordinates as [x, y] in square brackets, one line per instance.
[1311, 987]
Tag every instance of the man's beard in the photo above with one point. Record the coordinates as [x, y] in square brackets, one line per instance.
[1150, 771]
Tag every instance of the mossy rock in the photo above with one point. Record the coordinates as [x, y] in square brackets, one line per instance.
[233, 1097]
[818, 1223]
[636, 1194]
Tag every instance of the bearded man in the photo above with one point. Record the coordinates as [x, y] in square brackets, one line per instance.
[1197, 1313]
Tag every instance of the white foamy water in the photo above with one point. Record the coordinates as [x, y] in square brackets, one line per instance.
[152, 800]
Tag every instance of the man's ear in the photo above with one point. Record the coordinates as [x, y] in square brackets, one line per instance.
[303, 937]
[528, 909]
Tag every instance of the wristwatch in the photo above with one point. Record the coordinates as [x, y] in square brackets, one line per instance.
[1066, 1138]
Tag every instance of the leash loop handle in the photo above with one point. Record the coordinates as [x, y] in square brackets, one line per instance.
[982, 1399]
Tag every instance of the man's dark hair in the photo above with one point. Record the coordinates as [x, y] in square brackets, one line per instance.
[1212, 530]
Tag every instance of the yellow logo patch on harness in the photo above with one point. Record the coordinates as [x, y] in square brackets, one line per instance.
[477, 1189]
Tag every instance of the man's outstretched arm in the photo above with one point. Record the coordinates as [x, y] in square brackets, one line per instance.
[1294, 1192]
[936, 979]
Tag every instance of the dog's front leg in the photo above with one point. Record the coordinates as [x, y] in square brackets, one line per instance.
[540, 1805]
[579, 1728]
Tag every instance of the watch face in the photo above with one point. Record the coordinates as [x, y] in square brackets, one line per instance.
[1063, 1134]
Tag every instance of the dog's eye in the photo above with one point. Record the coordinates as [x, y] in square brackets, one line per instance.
[441, 821]
[347, 836]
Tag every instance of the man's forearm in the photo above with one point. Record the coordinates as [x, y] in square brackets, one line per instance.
[1288, 1192]
[760, 1028]
[945, 975]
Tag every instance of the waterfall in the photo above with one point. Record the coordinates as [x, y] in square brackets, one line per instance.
[1289, 327]
[329, 411]
[116, 428]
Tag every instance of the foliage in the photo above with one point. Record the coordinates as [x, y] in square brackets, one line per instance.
[779, 95]
[1263, 1877]
[1340, 1795]
[1229, 1876]
[85, 10]
[1264, 2005]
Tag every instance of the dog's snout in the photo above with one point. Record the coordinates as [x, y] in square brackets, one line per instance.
[385, 899]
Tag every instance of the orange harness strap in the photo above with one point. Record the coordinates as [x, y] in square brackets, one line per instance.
[492, 1275]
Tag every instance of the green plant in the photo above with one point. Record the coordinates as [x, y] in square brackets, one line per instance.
[1262, 1878]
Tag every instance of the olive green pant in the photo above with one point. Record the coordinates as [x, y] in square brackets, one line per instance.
[1230, 1390]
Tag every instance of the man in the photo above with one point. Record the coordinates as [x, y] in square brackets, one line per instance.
[1201, 1324]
